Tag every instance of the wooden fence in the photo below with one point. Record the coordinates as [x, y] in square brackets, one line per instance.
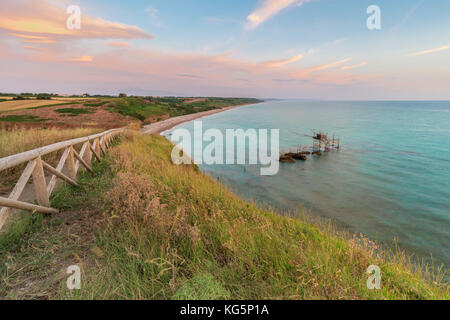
[94, 145]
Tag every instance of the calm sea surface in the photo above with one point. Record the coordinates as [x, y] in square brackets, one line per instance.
[391, 179]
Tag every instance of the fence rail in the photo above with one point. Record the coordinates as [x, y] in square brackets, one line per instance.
[94, 145]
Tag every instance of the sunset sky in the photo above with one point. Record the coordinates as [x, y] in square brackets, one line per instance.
[320, 49]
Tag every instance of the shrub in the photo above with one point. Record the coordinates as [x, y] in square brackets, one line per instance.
[43, 96]
[20, 98]
[73, 112]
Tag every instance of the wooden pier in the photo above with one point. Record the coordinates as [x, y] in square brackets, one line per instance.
[321, 143]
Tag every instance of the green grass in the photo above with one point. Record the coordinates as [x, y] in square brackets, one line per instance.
[36, 249]
[170, 232]
[202, 287]
[73, 112]
[144, 108]
[19, 232]
[136, 108]
[95, 104]
[53, 105]
[21, 118]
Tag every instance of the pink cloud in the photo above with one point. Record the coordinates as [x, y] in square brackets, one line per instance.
[118, 44]
[31, 38]
[82, 59]
[283, 62]
[328, 65]
[180, 71]
[421, 53]
[33, 48]
[52, 54]
[268, 9]
[354, 66]
[35, 19]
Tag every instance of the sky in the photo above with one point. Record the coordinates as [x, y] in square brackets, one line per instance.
[296, 49]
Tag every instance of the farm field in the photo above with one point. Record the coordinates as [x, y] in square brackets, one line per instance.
[107, 112]
[69, 99]
[8, 104]
[12, 105]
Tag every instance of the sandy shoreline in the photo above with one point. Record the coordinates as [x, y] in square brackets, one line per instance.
[158, 127]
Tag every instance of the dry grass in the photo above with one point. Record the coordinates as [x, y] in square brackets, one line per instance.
[24, 104]
[13, 105]
[19, 140]
[68, 99]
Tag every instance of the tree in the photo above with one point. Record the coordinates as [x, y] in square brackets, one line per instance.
[122, 95]
[43, 96]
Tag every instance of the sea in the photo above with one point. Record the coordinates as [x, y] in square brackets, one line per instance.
[390, 179]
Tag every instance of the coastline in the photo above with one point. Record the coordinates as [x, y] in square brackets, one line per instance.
[161, 126]
[218, 213]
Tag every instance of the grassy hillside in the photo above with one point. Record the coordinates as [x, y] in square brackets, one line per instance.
[152, 109]
[143, 228]
[108, 112]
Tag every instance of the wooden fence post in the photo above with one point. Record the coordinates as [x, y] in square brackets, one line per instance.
[40, 185]
[88, 154]
[18, 189]
[108, 140]
[94, 150]
[60, 167]
[97, 147]
[102, 145]
[71, 164]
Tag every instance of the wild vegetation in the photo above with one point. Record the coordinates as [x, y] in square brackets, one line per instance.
[73, 112]
[143, 108]
[159, 231]
[21, 118]
[124, 109]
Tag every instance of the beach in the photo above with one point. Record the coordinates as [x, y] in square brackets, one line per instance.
[158, 127]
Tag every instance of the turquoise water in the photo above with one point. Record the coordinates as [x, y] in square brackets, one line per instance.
[391, 178]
